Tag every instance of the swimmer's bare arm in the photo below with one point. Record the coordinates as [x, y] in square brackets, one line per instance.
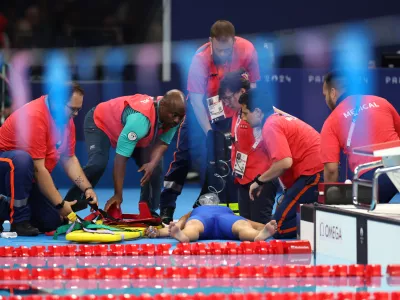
[164, 232]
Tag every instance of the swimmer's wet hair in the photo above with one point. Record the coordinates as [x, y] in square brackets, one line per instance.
[222, 29]
[234, 81]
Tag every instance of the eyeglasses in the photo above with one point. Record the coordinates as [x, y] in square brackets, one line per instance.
[227, 98]
[74, 109]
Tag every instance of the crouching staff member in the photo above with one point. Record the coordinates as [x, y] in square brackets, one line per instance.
[294, 150]
[48, 136]
[248, 156]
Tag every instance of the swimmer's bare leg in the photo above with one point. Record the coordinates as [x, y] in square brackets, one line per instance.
[246, 232]
[190, 233]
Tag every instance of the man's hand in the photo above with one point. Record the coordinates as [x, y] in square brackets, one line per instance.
[255, 189]
[90, 193]
[66, 210]
[117, 200]
[148, 171]
[196, 100]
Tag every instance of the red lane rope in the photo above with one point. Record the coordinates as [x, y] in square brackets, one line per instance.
[222, 296]
[214, 248]
[291, 271]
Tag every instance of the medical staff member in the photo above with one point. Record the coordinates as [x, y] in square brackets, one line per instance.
[355, 121]
[225, 52]
[248, 157]
[44, 128]
[293, 148]
[138, 126]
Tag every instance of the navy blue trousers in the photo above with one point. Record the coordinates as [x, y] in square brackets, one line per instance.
[303, 191]
[22, 184]
[29, 204]
[191, 152]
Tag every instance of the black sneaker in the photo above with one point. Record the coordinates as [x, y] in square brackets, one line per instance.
[167, 215]
[24, 229]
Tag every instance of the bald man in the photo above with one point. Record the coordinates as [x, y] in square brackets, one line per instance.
[138, 126]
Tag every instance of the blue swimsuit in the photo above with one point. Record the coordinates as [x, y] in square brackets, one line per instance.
[217, 222]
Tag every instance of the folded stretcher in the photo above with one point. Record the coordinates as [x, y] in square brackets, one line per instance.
[111, 226]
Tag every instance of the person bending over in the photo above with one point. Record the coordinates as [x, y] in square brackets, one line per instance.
[211, 221]
[374, 121]
[223, 53]
[248, 157]
[293, 148]
[138, 126]
[37, 136]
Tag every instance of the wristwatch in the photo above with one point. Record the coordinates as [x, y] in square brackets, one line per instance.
[257, 179]
[60, 205]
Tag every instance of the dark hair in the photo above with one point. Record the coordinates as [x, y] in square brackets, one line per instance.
[222, 29]
[70, 87]
[76, 88]
[255, 98]
[234, 81]
[336, 78]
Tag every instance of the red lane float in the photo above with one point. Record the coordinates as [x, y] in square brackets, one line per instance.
[221, 296]
[229, 248]
[268, 271]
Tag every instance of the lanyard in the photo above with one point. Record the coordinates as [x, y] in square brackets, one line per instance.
[156, 125]
[351, 130]
[257, 136]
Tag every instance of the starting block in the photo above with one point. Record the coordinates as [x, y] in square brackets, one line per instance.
[388, 164]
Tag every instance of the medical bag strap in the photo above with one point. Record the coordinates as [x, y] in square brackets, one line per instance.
[156, 125]
[97, 211]
[351, 131]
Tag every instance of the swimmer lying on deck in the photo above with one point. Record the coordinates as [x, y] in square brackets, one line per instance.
[214, 222]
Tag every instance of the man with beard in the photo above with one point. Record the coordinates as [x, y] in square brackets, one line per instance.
[42, 130]
[138, 126]
[225, 52]
[356, 121]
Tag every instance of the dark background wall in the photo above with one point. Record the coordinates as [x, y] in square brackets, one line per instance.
[193, 19]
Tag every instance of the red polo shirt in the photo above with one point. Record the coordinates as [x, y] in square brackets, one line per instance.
[32, 129]
[377, 122]
[204, 76]
[286, 136]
